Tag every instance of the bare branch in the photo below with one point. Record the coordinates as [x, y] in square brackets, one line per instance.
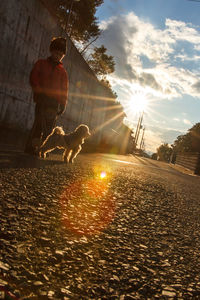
[89, 44]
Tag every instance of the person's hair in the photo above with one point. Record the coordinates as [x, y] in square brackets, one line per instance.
[58, 43]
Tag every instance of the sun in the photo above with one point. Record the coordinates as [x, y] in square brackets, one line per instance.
[138, 103]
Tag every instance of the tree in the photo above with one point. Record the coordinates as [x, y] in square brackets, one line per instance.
[164, 152]
[106, 83]
[101, 63]
[78, 18]
[194, 133]
[189, 142]
[182, 143]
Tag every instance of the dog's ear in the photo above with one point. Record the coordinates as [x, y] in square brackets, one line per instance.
[88, 131]
[58, 130]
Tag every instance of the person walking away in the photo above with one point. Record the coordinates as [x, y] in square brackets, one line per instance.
[49, 82]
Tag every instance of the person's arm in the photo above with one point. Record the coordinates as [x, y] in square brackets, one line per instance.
[35, 77]
[64, 93]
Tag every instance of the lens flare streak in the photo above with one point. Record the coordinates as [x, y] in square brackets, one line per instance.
[88, 206]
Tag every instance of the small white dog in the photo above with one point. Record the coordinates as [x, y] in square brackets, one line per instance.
[71, 142]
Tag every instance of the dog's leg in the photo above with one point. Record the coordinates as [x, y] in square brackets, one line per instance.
[48, 146]
[44, 154]
[75, 152]
[66, 155]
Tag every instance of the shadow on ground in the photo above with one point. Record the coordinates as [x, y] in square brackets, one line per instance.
[18, 159]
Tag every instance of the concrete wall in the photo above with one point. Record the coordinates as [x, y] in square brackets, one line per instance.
[26, 28]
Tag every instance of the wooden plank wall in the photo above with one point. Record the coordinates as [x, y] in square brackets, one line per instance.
[189, 161]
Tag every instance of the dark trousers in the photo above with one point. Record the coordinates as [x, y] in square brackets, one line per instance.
[44, 122]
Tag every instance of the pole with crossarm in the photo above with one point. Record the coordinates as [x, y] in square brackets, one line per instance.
[69, 14]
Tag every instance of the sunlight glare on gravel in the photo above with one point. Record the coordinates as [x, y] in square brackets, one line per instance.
[103, 175]
[88, 206]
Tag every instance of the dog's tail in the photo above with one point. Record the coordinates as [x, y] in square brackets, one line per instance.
[58, 130]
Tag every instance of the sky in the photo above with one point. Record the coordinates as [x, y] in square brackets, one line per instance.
[156, 48]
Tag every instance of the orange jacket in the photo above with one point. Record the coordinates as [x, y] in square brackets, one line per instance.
[49, 79]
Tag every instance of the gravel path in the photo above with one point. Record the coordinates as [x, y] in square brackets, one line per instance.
[67, 233]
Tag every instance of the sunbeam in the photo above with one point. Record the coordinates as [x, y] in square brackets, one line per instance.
[81, 95]
[112, 107]
[108, 121]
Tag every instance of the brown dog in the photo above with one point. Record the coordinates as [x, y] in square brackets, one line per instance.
[71, 142]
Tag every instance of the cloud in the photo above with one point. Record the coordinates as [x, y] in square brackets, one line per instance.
[114, 33]
[187, 122]
[184, 57]
[159, 63]
[169, 136]
[196, 86]
[129, 39]
[153, 141]
[179, 30]
[147, 79]
[197, 47]
[155, 136]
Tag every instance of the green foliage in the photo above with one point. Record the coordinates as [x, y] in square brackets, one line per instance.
[78, 18]
[182, 143]
[189, 142]
[164, 152]
[101, 63]
[106, 83]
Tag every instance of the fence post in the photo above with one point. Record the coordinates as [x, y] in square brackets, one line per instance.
[197, 170]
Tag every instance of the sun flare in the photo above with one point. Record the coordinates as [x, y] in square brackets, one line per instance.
[103, 175]
[138, 104]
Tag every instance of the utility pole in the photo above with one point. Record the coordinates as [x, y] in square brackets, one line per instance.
[69, 14]
[142, 139]
[136, 132]
[139, 127]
